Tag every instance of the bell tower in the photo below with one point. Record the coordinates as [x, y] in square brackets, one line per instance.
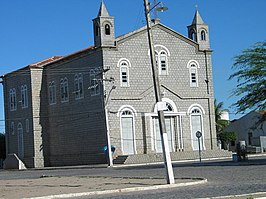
[103, 26]
[198, 31]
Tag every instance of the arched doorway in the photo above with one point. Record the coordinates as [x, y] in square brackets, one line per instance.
[170, 124]
[127, 132]
[196, 125]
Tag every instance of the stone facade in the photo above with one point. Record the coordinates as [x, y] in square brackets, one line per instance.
[68, 97]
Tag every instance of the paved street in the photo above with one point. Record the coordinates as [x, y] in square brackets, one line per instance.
[224, 178]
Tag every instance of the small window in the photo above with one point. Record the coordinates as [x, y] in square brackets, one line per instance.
[24, 96]
[203, 35]
[64, 90]
[107, 29]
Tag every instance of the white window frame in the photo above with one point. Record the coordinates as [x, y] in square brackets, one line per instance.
[78, 86]
[193, 66]
[94, 83]
[24, 96]
[123, 109]
[163, 62]
[64, 90]
[52, 93]
[124, 65]
[201, 112]
[12, 99]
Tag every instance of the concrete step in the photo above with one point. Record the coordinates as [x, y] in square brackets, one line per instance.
[175, 156]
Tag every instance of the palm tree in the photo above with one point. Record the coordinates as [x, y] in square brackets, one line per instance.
[220, 123]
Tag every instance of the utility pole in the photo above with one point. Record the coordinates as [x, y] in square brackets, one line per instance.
[165, 145]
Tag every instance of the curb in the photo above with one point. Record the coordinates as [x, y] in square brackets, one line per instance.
[124, 190]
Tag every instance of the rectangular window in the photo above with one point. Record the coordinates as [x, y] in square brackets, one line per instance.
[193, 77]
[124, 77]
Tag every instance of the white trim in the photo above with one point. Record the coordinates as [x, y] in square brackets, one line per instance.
[195, 106]
[119, 113]
[126, 107]
[193, 61]
[161, 46]
[121, 60]
[169, 101]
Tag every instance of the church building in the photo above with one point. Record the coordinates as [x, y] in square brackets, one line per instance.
[62, 110]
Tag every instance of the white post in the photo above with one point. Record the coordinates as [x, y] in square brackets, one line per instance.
[110, 155]
[165, 145]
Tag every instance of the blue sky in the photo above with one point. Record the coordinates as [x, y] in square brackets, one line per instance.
[32, 30]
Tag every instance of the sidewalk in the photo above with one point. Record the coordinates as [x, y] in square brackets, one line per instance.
[47, 187]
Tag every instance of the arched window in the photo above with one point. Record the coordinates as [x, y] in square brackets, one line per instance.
[78, 86]
[162, 55]
[203, 35]
[163, 65]
[64, 90]
[193, 73]
[12, 99]
[107, 29]
[124, 65]
[24, 96]
[193, 36]
[94, 84]
[52, 93]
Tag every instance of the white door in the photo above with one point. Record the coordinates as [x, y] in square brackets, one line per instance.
[128, 145]
[196, 126]
[170, 134]
[20, 142]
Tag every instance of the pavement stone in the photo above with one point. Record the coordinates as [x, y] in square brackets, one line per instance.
[47, 187]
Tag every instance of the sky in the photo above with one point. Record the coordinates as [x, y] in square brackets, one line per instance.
[33, 30]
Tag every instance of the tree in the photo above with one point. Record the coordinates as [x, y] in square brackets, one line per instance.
[228, 137]
[220, 124]
[250, 73]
